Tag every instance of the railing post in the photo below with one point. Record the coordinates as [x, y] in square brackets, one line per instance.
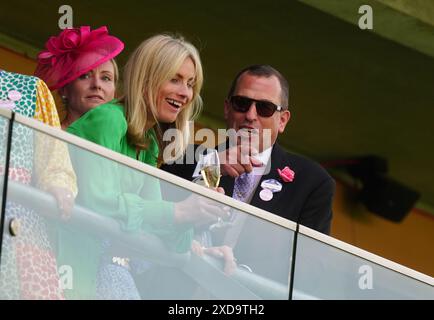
[5, 181]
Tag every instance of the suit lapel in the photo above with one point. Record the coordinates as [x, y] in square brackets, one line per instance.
[277, 159]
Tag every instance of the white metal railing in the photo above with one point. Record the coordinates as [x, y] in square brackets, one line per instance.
[206, 271]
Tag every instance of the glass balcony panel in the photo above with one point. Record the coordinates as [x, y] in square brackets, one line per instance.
[323, 271]
[4, 132]
[28, 265]
[127, 236]
[4, 128]
[136, 232]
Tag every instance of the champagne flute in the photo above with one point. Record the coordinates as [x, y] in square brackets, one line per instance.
[210, 176]
[211, 169]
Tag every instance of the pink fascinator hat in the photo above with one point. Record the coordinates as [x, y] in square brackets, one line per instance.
[75, 52]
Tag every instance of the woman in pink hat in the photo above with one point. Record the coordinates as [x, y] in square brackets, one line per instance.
[80, 64]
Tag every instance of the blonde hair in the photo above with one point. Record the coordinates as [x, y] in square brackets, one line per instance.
[116, 71]
[154, 62]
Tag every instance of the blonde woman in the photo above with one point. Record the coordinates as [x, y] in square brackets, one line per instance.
[162, 83]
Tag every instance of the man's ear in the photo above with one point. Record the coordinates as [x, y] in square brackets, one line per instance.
[285, 115]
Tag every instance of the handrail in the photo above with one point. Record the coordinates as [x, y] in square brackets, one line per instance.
[206, 271]
[6, 113]
[46, 205]
[154, 172]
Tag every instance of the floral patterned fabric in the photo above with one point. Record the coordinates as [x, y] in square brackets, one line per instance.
[29, 269]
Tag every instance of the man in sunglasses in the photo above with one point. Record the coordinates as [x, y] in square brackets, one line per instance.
[258, 102]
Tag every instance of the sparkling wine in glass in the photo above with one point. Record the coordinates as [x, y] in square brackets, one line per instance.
[211, 168]
[210, 177]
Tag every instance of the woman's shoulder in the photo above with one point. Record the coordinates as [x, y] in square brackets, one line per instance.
[102, 124]
[107, 114]
[112, 109]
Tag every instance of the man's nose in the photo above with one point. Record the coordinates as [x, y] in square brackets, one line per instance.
[251, 113]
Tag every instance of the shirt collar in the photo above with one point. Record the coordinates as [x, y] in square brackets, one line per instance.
[265, 155]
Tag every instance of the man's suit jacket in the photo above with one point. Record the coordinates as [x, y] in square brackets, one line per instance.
[307, 200]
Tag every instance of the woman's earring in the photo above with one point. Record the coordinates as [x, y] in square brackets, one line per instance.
[64, 100]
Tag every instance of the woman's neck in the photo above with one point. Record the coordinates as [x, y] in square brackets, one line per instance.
[65, 124]
[70, 118]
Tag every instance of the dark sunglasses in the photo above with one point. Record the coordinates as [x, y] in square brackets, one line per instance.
[263, 108]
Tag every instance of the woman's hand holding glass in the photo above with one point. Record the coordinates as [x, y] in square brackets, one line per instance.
[210, 177]
[199, 210]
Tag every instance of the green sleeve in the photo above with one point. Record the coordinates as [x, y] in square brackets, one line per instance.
[144, 209]
[154, 217]
[115, 190]
[104, 125]
[129, 196]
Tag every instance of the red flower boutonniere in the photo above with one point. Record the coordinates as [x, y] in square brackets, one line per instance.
[287, 175]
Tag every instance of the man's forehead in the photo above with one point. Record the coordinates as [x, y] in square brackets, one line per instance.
[259, 87]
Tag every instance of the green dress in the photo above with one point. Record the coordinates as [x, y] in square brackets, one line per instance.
[111, 189]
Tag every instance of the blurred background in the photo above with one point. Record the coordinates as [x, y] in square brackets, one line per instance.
[353, 93]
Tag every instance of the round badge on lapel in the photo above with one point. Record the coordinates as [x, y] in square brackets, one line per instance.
[271, 184]
[266, 195]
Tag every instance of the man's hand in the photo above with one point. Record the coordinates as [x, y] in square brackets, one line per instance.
[65, 200]
[237, 160]
[223, 252]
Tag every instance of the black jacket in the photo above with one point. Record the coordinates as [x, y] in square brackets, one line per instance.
[306, 200]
